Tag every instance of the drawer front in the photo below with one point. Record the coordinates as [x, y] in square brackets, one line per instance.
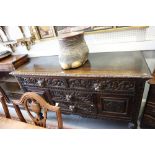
[77, 102]
[117, 105]
[105, 85]
[43, 82]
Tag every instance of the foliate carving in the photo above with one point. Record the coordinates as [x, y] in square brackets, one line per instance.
[102, 85]
[80, 83]
[114, 85]
[28, 81]
[111, 105]
[56, 83]
[72, 96]
[75, 101]
[43, 82]
[60, 95]
[86, 108]
[88, 84]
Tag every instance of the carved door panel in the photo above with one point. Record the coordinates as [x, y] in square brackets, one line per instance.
[116, 105]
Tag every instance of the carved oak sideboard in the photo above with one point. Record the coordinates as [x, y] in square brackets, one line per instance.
[110, 85]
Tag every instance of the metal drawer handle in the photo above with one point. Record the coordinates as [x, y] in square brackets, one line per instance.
[68, 97]
[97, 86]
[40, 83]
[56, 104]
[71, 107]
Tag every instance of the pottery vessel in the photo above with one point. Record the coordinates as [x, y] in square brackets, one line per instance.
[73, 50]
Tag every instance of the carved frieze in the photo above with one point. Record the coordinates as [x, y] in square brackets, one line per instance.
[53, 82]
[43, 82]
[81, 84]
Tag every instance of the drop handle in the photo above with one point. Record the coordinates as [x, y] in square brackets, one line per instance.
[40, 83]
[97, 86]
[56, 104]
[71, 107]
[68, 97]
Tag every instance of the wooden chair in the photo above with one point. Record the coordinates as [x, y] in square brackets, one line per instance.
[37, 109]
[4, 100]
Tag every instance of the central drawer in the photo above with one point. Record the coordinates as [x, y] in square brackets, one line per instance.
[75, 101]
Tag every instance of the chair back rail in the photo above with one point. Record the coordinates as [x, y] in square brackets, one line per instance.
[37, 109]
[4, 100]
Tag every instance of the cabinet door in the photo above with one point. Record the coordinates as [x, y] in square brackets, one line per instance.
[119, 106]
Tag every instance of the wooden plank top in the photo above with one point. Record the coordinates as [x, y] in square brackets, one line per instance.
[6, 123]
[106, 64]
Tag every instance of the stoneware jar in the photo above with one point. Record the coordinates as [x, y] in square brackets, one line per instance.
[73, 50]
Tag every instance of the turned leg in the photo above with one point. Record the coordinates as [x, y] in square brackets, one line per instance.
[132, 125]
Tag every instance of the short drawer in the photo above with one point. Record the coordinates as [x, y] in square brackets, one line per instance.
[43, 82]
[72, 96]
[102, 84]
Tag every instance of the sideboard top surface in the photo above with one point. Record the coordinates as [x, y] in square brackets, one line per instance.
[106, 64]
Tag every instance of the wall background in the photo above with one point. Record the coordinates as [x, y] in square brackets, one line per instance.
[125, 40]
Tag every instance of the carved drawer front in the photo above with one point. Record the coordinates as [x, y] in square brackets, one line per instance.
[76, 108]
[102, 84]
[43, 82]
[30, 81]
[75, 101]
[115, 105]
[150, 109]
